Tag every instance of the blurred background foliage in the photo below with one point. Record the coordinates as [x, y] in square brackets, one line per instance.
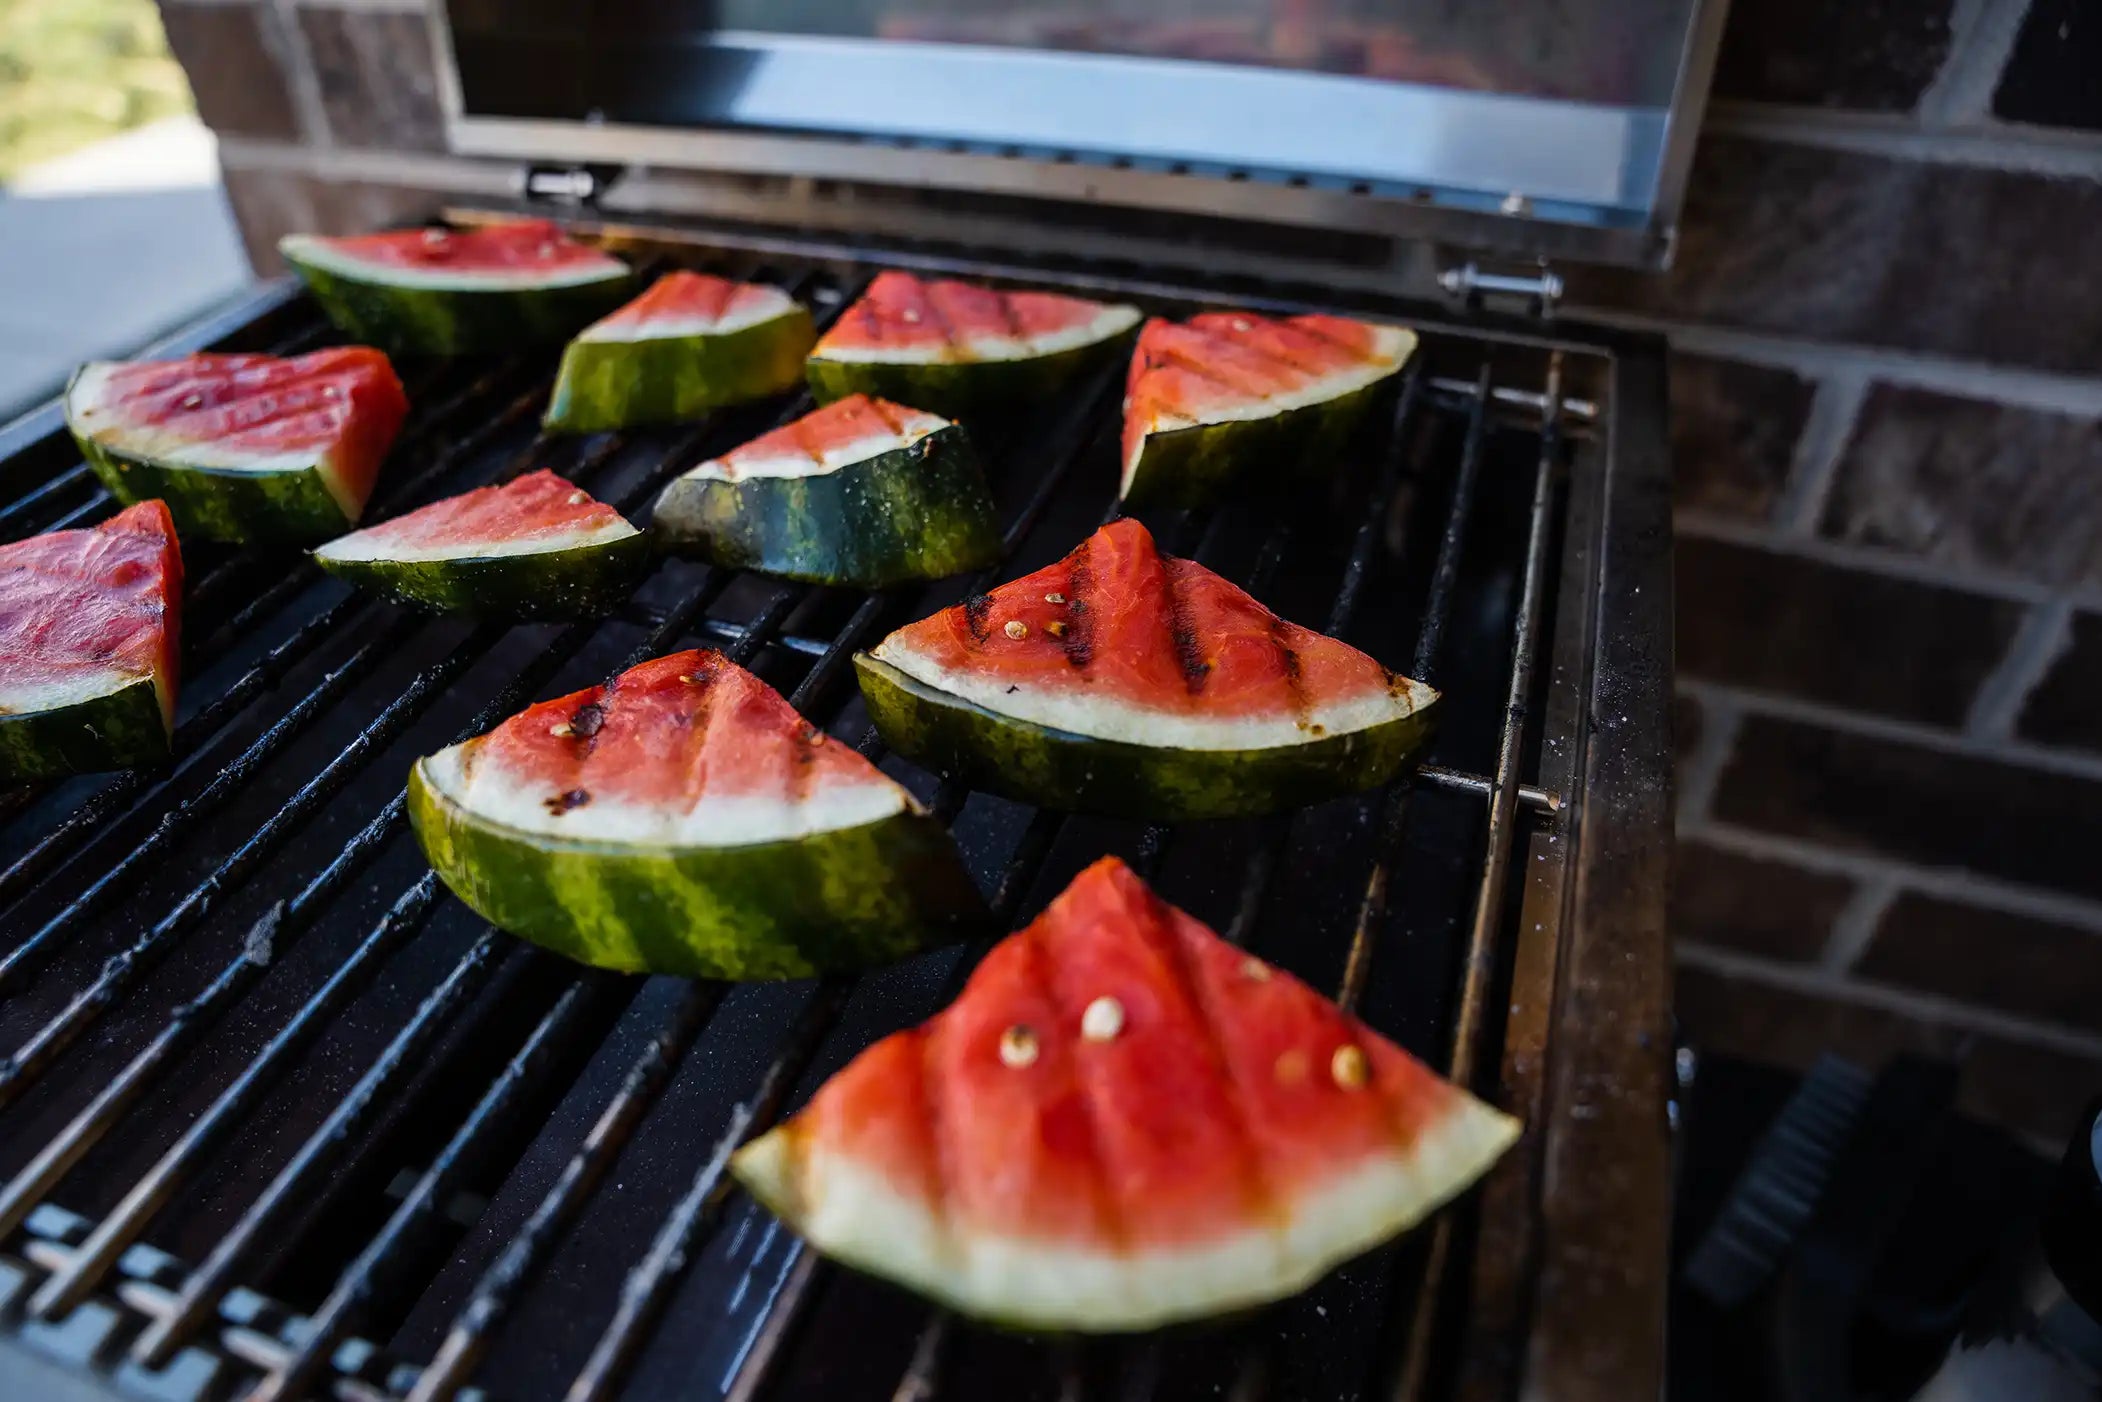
[75, 71]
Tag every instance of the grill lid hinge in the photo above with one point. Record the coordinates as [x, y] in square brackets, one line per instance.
[1536, 287]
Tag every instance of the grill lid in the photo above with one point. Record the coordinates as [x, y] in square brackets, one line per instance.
[1551, 128]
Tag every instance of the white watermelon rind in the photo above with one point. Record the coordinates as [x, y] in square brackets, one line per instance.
[832, 901]
[935, 381]
[609, 383]
[850, 1212]
[212, 490]
[1073, 772]
[1289, 439]
[120, 727]
[580, 574]
[426, 312]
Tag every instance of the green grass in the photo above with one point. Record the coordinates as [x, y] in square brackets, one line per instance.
[75, 71]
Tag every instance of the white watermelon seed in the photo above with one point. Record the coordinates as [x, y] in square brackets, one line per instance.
[1102, 1019]
[1242, 323]
[1054, 598]
[434, 237]
[1016, 628]
[1348, 1067]
[560, 729]
[910, 315]
[192, 401]
[1255, 970]
[579, 498]
[1017, 1046]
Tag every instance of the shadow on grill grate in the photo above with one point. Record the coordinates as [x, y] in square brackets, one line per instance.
[270, 1093]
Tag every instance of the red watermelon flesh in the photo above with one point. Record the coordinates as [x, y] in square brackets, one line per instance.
[518, 253]
[692, 304]
[906, 319]
[846, 431]
[1121, 642]
[85, 613]
[686, 750]
[1122, 1120]
[335, 409]
[1224, 366]
[537, 512]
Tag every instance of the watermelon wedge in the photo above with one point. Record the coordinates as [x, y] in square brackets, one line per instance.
[1226, 396]
[683, 819]
[459, 291]
[242, 447]
[1130, 683]
[955, 348]
[537, 546]
[89, 636]
[861, 492]
[1121, 1122]
[690, 344]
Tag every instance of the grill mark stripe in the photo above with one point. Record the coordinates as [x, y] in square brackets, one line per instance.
[977, 611]
[1189, 653]
[1302, 706]
[1079, 640]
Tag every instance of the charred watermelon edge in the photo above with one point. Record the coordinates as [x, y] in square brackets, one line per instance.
[119, 729]
[453, 321]
[675, 379]
[1457, 1152]
[578, 581]
[1115, 778]
[958, 389]
[1204, 463]
[918, 512]
[220, 503]
[832, 902]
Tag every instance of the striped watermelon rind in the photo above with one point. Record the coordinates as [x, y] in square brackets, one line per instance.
[119, 729]
[577, 581]
[1071, 772]
[921, 511]
[830, 902]
[675, 379]
[395, 313]
[1203, 464]
[961, 389]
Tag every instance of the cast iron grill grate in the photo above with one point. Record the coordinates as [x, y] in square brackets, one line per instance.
[279, 1118]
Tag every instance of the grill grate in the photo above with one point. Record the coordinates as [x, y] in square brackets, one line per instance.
[411, 1157]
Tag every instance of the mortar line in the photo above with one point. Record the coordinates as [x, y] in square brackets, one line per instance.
[1869, 559]
[1829, 427]
[1924, 1007]
[1982, 37]
[1702, 771]
[1946, 883]
[1855, 926]
[2045, 636]
[302, 79]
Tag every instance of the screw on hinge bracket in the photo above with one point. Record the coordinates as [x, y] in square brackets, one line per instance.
[566, 185]
[1539, 287]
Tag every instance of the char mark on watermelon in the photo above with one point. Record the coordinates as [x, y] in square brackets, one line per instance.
[1231, 400]
[249, 448]
[1130, 683]
[860, 492]
[452, 292]
[1121, 1122]
[89, 642]
[957, 349]
[690, 344]
[538, 546]
[684, 819]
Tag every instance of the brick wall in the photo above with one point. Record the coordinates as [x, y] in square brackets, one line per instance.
[1888, 396]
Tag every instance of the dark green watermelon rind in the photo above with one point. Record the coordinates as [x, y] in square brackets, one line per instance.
[220, 503]
[120, 729]
[918, 512]
[582, 581]
[676, 379]
[447, 321]
[1062, 770]
[833, 902]
[959, 389]
[1206, 463]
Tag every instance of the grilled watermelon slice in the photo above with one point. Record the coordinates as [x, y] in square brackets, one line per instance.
[1215, 401]
[954, 348]
[1121, 1122]
[538, 546]
[89, 636]
[690, 344]
[453, 292]
[861, 492]
[247, 448]
[1130, 683]
[683, 819]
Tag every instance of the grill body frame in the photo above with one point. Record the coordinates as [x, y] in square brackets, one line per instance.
[1558, 1006]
